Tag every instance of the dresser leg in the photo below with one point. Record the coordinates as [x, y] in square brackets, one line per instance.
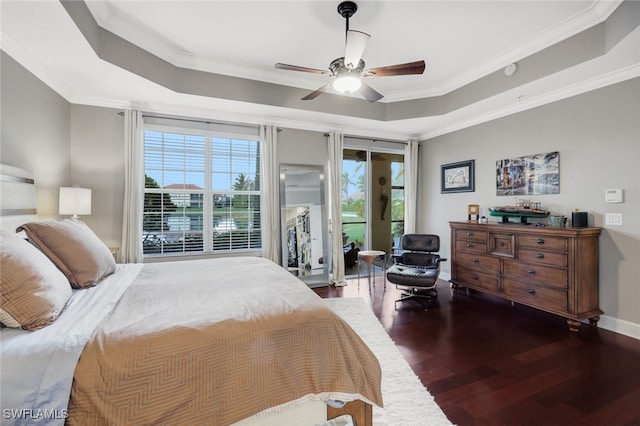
[573, 325]
[593, 321]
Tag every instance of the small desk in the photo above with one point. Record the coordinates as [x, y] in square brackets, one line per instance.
[370, 257]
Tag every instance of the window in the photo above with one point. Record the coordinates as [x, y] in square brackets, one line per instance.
[202, 192]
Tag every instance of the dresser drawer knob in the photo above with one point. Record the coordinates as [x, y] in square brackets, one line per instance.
[474, 260]
[475, 277]
[469, 245]
[540, 241]
[469, 234]
[540, 255]
[532, 271]
[531, 291]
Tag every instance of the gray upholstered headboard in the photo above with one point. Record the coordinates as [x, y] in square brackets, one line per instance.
[17, 197]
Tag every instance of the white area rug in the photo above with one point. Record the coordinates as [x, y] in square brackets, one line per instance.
[406, 401]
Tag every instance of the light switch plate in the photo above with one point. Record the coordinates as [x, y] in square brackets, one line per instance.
[613, 219]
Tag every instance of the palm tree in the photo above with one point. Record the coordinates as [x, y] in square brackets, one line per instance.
[346, 182]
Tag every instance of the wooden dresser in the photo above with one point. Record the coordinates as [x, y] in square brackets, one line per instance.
[552, 269]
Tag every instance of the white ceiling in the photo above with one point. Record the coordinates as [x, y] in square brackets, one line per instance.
[461, 42]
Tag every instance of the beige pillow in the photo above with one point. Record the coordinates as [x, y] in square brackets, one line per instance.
[74, 249]
[33, 291]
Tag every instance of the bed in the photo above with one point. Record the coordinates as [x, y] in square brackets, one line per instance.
[219, 341]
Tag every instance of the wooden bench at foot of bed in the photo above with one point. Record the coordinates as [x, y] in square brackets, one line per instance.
[361, 412]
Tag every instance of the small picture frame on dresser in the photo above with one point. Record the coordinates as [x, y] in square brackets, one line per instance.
[457, 177]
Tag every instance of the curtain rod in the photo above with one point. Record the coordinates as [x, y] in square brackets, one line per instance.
[372, 139]
[193, 120]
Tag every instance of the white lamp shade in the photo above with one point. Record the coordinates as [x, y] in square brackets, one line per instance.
[75, 201]
[347, 83]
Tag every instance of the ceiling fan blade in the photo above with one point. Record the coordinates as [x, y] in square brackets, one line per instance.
[316, 93]
[369, 94]
[356, 43]
[297, 68]
[400, 69]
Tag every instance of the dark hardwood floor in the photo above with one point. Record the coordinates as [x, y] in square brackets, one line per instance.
[487, 362]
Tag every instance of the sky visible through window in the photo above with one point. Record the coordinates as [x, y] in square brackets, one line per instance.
[174, 158]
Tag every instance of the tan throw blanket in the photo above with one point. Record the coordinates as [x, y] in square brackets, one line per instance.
[216, 341]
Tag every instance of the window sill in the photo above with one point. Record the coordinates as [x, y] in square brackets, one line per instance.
[159, 258]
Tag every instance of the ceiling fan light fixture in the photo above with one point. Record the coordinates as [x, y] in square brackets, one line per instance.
[348, 70]
[347, 83]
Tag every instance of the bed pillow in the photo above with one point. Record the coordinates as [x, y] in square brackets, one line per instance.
[33, 291]
[74, 248]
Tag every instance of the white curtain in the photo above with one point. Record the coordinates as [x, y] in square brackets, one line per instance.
[336, 142]
[269, 205]
[410, 186]
[131, 246]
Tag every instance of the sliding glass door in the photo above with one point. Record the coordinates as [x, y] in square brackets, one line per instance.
[372, 199]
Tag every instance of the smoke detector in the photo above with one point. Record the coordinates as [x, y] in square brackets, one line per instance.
[510, 70]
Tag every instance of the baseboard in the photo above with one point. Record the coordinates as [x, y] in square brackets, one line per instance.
[606, 322]
[620, 326]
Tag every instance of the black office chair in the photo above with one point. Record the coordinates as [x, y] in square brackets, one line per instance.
[417, 268]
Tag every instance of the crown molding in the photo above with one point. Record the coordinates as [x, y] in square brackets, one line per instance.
[114, 20]
[34, 66]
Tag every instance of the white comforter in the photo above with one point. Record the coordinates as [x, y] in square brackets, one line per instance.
[37, 367]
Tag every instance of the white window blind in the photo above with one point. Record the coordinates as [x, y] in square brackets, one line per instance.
[202, 192]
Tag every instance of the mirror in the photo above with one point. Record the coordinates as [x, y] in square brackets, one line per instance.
[303, 223]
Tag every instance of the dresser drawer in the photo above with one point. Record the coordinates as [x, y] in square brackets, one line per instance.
[549, 275]
[543, 257]
[471, 246]
[484, 263]
[536, 295]
[543, 242]
[476, 279]
[471, 235]
[502, 244]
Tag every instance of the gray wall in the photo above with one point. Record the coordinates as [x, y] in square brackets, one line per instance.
[36, 127]
[302, 147]
[97, 162]
[63, 145]
[598, 137]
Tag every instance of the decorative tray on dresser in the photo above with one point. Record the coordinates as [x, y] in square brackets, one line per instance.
[549, 268]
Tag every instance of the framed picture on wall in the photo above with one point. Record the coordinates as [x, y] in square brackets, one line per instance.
[537, 174]
[457, 177]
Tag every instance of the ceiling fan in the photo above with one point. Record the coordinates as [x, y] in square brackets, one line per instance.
[348, 71]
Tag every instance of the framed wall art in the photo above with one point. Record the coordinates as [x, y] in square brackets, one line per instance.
[457, 177]
[537, 174]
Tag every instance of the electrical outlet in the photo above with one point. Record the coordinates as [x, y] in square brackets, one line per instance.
[613, 219]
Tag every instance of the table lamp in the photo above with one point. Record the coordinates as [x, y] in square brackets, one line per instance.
[75, 201]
